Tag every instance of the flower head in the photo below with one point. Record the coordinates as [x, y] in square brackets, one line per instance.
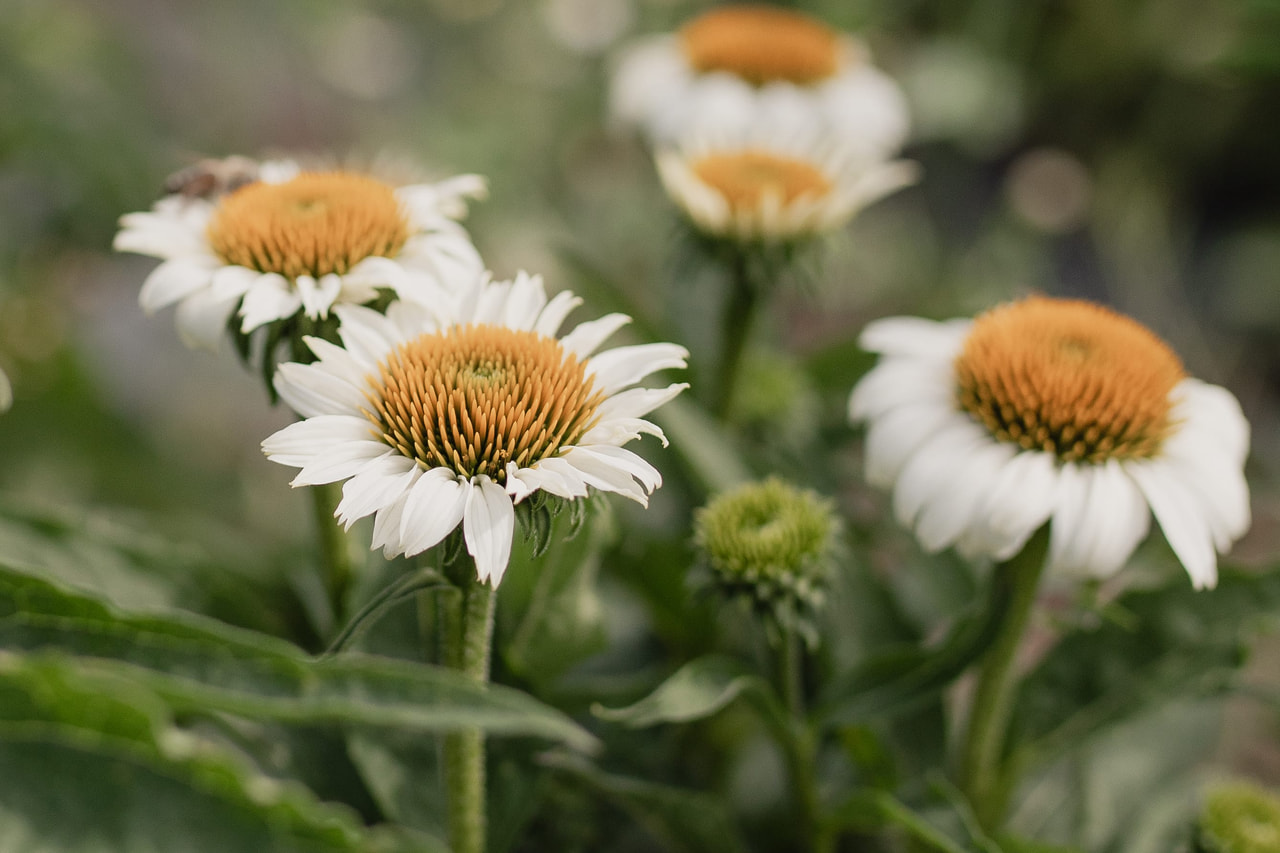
[1239, 817]
[450, 415]
[280, 242]
[1059, 411]
[741, 66]
[770, 543]
[765, 186]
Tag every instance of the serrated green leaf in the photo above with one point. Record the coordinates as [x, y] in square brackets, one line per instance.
[681, 820]
[201, 665]
[698, 690]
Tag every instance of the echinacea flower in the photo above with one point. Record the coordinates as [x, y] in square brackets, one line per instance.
[741, 66]
[436, 418]
[1059, 411]
[293, 242]
[772, 186]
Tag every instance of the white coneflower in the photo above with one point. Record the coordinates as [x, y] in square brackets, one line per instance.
[737, 67]
[293, 242]
[1058, 411]
[773, 186]
[436, 418]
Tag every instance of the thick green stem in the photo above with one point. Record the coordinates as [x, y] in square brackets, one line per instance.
[801, 748]
[335, 548]
[739, 316]
[466, 631]
[981, 774]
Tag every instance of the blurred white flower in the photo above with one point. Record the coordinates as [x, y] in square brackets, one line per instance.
[1057, 411]
[293, 241]
[772, 186]
[451, 416]
[740, 67]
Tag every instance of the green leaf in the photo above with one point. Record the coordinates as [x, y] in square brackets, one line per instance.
[1171, 643]
[697, 690]
[681, 820]
[904, 678]
[198, 664]
[92, 762]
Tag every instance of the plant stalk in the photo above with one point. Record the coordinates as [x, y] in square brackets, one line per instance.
[335, 548]
[982, 752]
[801, 750]
[466, 633]
[739, 317]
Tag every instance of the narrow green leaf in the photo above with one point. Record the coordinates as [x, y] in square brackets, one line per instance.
[201, 665]
[697, 690]
[681, 820]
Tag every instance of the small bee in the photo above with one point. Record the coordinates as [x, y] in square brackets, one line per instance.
[210, 178]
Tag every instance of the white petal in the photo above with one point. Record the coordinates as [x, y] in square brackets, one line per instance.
[552, 316]
[618, 431]
[366, 334]
[587, 337]
[202, 319]
[1116, 518]
[602, 473]
[488, 526]
[1211, 415]
[617, 368]
[175, 280]
[949, 512]
[938, 459]
[432, 510]
[299, 444]
[561, 480]
[524, 302]
[901, 381]
[339, 462]
[271, 298]
[375, 486]
[320, 388]
[1067, 535]
[892, 438]
[1016, 505]
[232, 282]
[915, 336]
[637, 402]
[1186, 529]
[318, 295]
[386, 527]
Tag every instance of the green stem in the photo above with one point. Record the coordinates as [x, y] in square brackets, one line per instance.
[393, 594]
[738, 319]
[800, 747]
[335, 549]
[466, 634]
[984, 745]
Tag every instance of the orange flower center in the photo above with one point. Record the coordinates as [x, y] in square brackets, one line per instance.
[1069, 378]
[761, 44]
[476, 397]
[745, 178]
[315, 224]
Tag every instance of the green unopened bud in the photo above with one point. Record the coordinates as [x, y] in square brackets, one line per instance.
[772, 545]
[1239, 817]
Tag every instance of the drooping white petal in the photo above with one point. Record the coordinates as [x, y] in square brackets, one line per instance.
[559, 479]
[952, 509]
[270, 298]
[386, 527]
[339, 462]
[1020, 500]
[318, 295]
[637, 402]
[202, 319]
[915, 336]
[232, 282]
[432, 509]
[618, 431]
[932, 464]
[1116, 517]
[488, 527]
[319, 389]
[301, 443]
[1184, 527]
[604, 474]
[617, 368]
[901, 381]
[1210, 415]
[1067, 534]
[894, 437]
[174, 280]
[378, 484]
[587, 337]
[366, 334]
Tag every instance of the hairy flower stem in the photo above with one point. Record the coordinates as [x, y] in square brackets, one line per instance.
[466, 631]
[335, 548]
[981, 773]
[800, 746]
[739, 317]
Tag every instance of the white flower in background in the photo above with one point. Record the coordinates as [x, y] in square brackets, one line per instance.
[739, 67]
[436, 418]
[773, 186]
[293, 241]
[1058, 411]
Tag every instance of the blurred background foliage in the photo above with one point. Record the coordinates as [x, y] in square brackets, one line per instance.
[1117, 150]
